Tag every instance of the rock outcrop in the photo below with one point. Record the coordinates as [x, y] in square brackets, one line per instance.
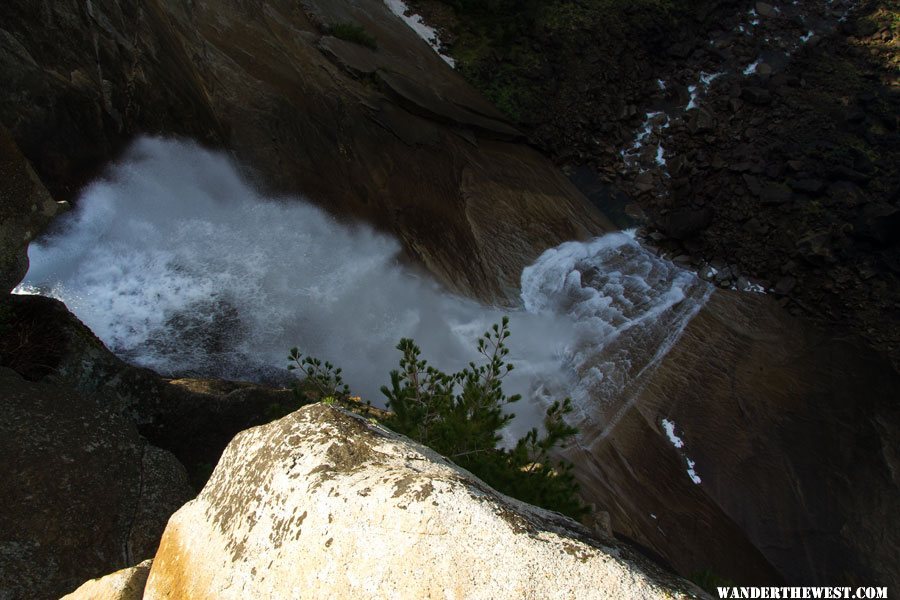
[323, 503]
[127, 584]
[760, 449]
[192, 418]
[25, 210]
[42, 339]
[82, 492]
[389, 135]
[48, 356]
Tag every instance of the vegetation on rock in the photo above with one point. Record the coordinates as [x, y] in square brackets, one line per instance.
[507, 48]
[351, 32]
[460, 415]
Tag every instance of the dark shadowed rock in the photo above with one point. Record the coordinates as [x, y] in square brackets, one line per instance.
[684, 223]
[194, 419]
[808, 186]
[784, 285]
[42, 340]
[773, 192]
[756, 95]
[879, 223]
[84, 493]
[817, 247]
[25, 210]
[766, 10]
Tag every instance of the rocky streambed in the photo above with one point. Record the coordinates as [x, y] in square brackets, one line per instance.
[757, 138]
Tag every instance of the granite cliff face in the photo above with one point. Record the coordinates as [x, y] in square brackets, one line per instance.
[389, 135]
[761, 449]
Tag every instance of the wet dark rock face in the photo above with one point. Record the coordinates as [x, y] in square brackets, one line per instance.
[795, 464]
[25, 210]
[82, 78]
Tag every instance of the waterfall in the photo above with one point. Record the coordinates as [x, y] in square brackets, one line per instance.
[178, 264]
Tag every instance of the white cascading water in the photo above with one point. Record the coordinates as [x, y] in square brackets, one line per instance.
[179, 265]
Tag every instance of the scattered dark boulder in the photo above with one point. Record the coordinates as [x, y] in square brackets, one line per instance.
[838, 172]
[773, 192]
[766, 10]
[807, 186]
[784, 285]
[704, 121]
[680, 49]
[684, 223]
[879, 223]
[756, 95]
[817, 247]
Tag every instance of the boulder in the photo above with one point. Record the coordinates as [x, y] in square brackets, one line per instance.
[704, 121]
[326, 504]
[773, 192]
[42, 339]
[817, 247]
[784, 285]
[196, 418]
[125, 584]
[84, 493]
[807, 186]
[879, 224]
[766, 10]
[756, 95]
[686, 222]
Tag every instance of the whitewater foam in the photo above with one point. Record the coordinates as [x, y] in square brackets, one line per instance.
[179, 265]
[423, 30]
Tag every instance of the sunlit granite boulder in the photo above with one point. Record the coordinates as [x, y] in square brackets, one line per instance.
[325, 504]
[126, 584]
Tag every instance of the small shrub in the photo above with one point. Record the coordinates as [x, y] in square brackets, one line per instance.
[351, 32]
[323, 376]
[709, 581]
[460, 415]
